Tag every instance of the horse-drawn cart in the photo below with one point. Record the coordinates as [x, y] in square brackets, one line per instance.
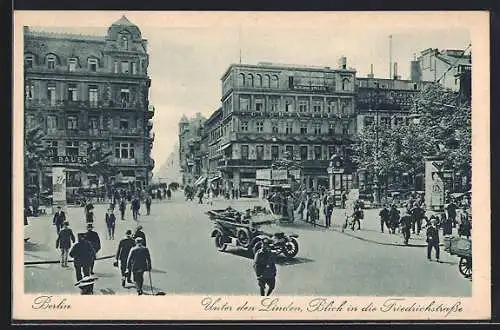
[247, 230]
[461, 247]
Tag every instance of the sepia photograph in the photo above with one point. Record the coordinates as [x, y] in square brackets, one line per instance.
[251, 165]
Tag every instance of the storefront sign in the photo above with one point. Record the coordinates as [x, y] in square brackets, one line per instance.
[67, 159]
[279, 174]
[264, 174]
[58, 186]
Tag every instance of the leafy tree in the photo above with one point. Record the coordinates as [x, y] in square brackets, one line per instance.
[35, 152]
[441, 127]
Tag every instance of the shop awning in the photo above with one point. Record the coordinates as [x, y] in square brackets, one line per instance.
[200, 180]
[216, 178]
[224, 147]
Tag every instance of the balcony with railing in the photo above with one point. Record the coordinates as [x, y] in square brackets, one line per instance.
[265, 163]
[69, 104]
[125, 132]
[123, 161]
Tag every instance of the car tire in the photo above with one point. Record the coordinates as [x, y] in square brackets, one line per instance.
[219, 242]
[243, 237]
[291, 248]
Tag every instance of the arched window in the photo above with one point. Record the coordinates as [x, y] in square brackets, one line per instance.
[124, 42]
[275, 81]
[258, 80]
[345, 84]
[267, 81]
[250, 80]
[241, 79]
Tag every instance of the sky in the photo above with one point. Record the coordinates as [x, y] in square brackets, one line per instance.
[190, 51]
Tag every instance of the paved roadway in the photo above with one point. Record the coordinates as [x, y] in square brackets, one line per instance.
[185, 260]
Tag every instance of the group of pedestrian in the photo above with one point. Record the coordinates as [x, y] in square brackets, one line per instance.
[134, 258]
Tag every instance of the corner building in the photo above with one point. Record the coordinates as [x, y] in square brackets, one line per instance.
[269, 109]
[86, 91]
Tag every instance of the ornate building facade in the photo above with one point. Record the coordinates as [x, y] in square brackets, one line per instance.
[269, 109]
[191, 148]
[90, 92]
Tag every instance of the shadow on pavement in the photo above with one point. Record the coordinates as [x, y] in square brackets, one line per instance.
[107, 291]
[106, 275]
[34, 247]
[448, 262]
[158, 271]
[284, 261]
[240, 252]
[301, 225]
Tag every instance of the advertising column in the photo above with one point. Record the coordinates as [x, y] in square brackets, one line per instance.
[434, 184]
[58, 187]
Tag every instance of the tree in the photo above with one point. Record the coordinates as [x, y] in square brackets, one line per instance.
[440, 125]
[35, 152]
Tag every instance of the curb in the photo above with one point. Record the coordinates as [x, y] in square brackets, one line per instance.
[59, 261]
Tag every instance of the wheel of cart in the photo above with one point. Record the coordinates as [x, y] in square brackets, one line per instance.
[465, 266]
[461, 247]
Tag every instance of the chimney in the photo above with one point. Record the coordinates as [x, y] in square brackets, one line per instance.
[370, 75]
[343, 62]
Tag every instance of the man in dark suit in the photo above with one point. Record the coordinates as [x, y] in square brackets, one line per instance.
[265, 269]
[126, 244]
[385, 218]
[135, 206]
[64, 240]
[83, 255]
[432, 240]
[140, 233]
[93, 238]
[110, 219]
[59, 218]
[138, 262]
[405, 222]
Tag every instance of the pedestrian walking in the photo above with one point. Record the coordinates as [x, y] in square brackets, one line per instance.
[451, 209]
[110, 219]
[357, 215]
[83, 255]
[418, 215]
[122, 207]
[328, 214]
[93, 238]
[464, 228]
[158, 194]
[343, 199]
[90, 217]
[446, 224]
[200, 196]
[140, 233]
[138, 262]
[65, 239]
[124, 247]
[169, 194]
[385, 219]
[265, 269]
[148, 205]
[135, 206]
[432, 240]
[88, 208]
[405, 223]
[394, 217]
[59, 219]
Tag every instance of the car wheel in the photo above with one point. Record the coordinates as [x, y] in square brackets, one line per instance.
[243, 237]
[219, 242]
[291, 248]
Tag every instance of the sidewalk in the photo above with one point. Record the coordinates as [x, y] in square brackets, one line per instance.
[41, 246]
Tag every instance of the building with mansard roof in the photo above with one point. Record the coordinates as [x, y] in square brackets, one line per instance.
[90, 92]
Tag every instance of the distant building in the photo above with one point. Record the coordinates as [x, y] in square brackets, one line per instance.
[213, 140]
[190, 148]
[90, 91]
[450, 67]
[269, 109]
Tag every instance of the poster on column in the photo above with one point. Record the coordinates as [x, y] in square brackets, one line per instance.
[58, 186]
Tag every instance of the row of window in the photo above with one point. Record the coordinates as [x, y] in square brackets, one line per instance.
[258, 80]
[289, 105]
[122, 150]
[73, 93]
[387, 121]
[52, 123]
[288, 128]
[125, 67]
[303, 152]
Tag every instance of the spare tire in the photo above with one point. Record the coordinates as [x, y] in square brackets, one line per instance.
[243, 237]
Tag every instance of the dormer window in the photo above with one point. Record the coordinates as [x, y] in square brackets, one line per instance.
[51, 62]
[124, 42]
[72, 64]
[29, 62]
[93, 64]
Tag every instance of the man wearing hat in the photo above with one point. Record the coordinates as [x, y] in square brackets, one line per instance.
[83, 255]
[138, 262]
[432, 239]
[110, 219]
[93, 238]
[265, 268]
[140, 233]
[64, 241]
[406, 222]
[59, 218]
[126, 244]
